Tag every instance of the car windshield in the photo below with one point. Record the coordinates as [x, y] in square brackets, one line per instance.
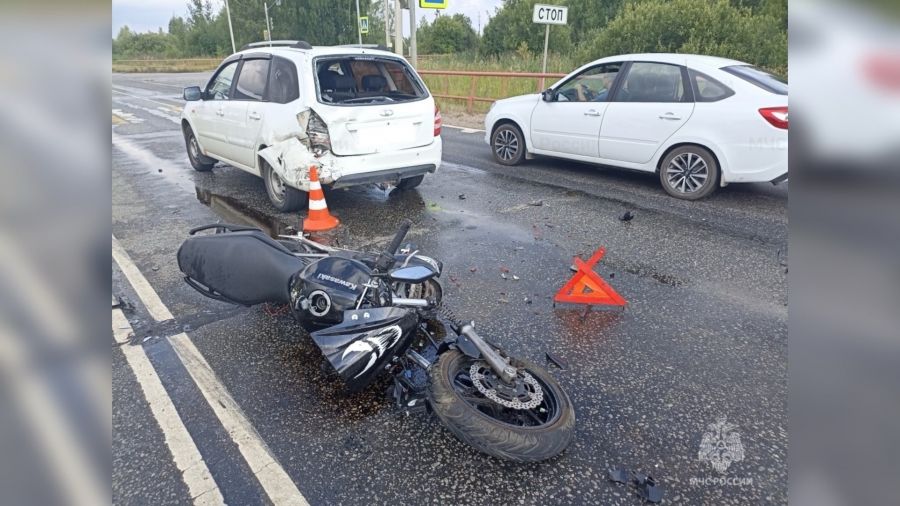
[765, 80]
[362, 80]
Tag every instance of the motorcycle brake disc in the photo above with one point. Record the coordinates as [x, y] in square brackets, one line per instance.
[486, 382]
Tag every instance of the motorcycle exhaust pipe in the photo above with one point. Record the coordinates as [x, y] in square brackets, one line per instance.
[404, 302]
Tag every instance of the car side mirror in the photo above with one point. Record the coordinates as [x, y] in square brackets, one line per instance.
[192, 93]
[548, 95]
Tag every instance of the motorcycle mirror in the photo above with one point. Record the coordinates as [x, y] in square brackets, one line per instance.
[412, 274]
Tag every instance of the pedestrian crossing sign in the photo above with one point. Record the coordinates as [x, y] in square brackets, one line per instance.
[433, 4]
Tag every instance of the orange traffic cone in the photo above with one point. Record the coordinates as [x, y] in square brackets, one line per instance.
[318, 218]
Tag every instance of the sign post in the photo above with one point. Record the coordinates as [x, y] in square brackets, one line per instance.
[549, 15]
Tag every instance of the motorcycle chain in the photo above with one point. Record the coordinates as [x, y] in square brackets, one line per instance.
[536, 397]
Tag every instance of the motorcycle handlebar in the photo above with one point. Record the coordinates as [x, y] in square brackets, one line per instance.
[398, 238]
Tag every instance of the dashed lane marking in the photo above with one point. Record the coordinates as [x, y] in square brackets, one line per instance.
[268, 471]
[465, 130]
[194, 473]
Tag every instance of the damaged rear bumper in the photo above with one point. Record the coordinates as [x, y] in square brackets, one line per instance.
[383, 176]
[291, 160]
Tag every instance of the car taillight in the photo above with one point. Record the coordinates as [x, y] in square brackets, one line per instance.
[437, 121]
[776, 116]
[317, 131]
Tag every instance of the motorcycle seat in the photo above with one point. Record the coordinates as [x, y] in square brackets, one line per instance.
[243, 267]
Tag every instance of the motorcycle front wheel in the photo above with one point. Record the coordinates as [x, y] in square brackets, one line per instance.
[515, 433]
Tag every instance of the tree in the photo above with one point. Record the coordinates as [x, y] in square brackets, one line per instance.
[511, 26]
[711, 27]
[447, 34]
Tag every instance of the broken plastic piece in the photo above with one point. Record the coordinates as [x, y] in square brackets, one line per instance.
[557, 361]
[618, 475]
[648, 489]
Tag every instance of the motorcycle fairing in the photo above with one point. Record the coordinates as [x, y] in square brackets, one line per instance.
[359, 347]
[243, 267]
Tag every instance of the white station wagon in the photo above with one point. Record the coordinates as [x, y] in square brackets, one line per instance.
[360, 114]
[700, 122]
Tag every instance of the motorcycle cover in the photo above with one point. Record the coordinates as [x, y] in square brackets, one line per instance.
[359, 347]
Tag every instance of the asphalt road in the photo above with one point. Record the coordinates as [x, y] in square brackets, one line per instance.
[704, 334]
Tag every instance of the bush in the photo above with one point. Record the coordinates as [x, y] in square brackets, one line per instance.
[712, 27]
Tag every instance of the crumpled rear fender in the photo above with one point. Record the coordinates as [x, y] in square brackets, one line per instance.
[290, 157]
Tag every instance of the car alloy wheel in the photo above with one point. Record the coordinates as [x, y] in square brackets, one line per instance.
[276, 185]
[687, 173]
[506, 145]
[194, 148]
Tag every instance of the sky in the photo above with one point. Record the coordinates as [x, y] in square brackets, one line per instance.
[151, 15]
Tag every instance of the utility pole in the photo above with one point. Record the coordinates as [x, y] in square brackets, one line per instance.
[398, 27]
[412, 32]
[230, 30]
[268, 27]
[358, 30]
[386, 8]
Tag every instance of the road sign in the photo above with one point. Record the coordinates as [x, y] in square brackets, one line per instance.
[550, 14]
[433, 4]
[587, 287]
[364, 24]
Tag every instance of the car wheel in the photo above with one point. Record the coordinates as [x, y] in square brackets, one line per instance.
[508, 145]
[198, 161]
[689, 173]
[410, 182]
[285, 198]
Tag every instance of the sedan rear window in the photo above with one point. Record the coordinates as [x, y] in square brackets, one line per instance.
[363, 80]
[765, 80]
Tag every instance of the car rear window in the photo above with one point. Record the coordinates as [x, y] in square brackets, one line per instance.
[366, 80]
[765, 80]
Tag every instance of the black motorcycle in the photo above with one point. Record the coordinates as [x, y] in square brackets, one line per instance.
[382, 313]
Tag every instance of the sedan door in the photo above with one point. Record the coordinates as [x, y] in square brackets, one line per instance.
[653, 102]
[570, 123]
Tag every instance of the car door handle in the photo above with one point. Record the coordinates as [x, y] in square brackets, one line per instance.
[670, 116]
[254, 115]
[220, 112]
[591, 112]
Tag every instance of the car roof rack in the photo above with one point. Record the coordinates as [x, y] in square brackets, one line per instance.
[380, 47]
[296, 44]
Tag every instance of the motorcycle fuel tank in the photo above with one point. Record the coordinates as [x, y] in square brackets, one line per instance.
[359, 347]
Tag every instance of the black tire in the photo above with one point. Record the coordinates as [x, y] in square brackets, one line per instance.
[689, 173]
[489, 435]
[199, 161]
[410, 182]
[285, 198]
[508, 144]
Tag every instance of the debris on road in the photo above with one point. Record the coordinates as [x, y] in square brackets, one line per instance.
[536, 203]
[556, 360]
[473, 269]
[628, 216]
[644, 485]
[462, 196]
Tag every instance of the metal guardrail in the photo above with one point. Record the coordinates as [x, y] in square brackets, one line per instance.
[539, 77]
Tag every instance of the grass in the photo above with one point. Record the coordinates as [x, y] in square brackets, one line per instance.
[166, 65]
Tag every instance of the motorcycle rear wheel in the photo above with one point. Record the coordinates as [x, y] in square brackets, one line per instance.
[498, 431]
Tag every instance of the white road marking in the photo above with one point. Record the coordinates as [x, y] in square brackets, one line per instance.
[194, 473]
[465, 130]
[273, 478]
[120, 92]
[151, 300]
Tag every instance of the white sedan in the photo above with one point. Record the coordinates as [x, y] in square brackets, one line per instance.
[700, 122]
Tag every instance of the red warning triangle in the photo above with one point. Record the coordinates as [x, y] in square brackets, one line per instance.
[587, 287]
